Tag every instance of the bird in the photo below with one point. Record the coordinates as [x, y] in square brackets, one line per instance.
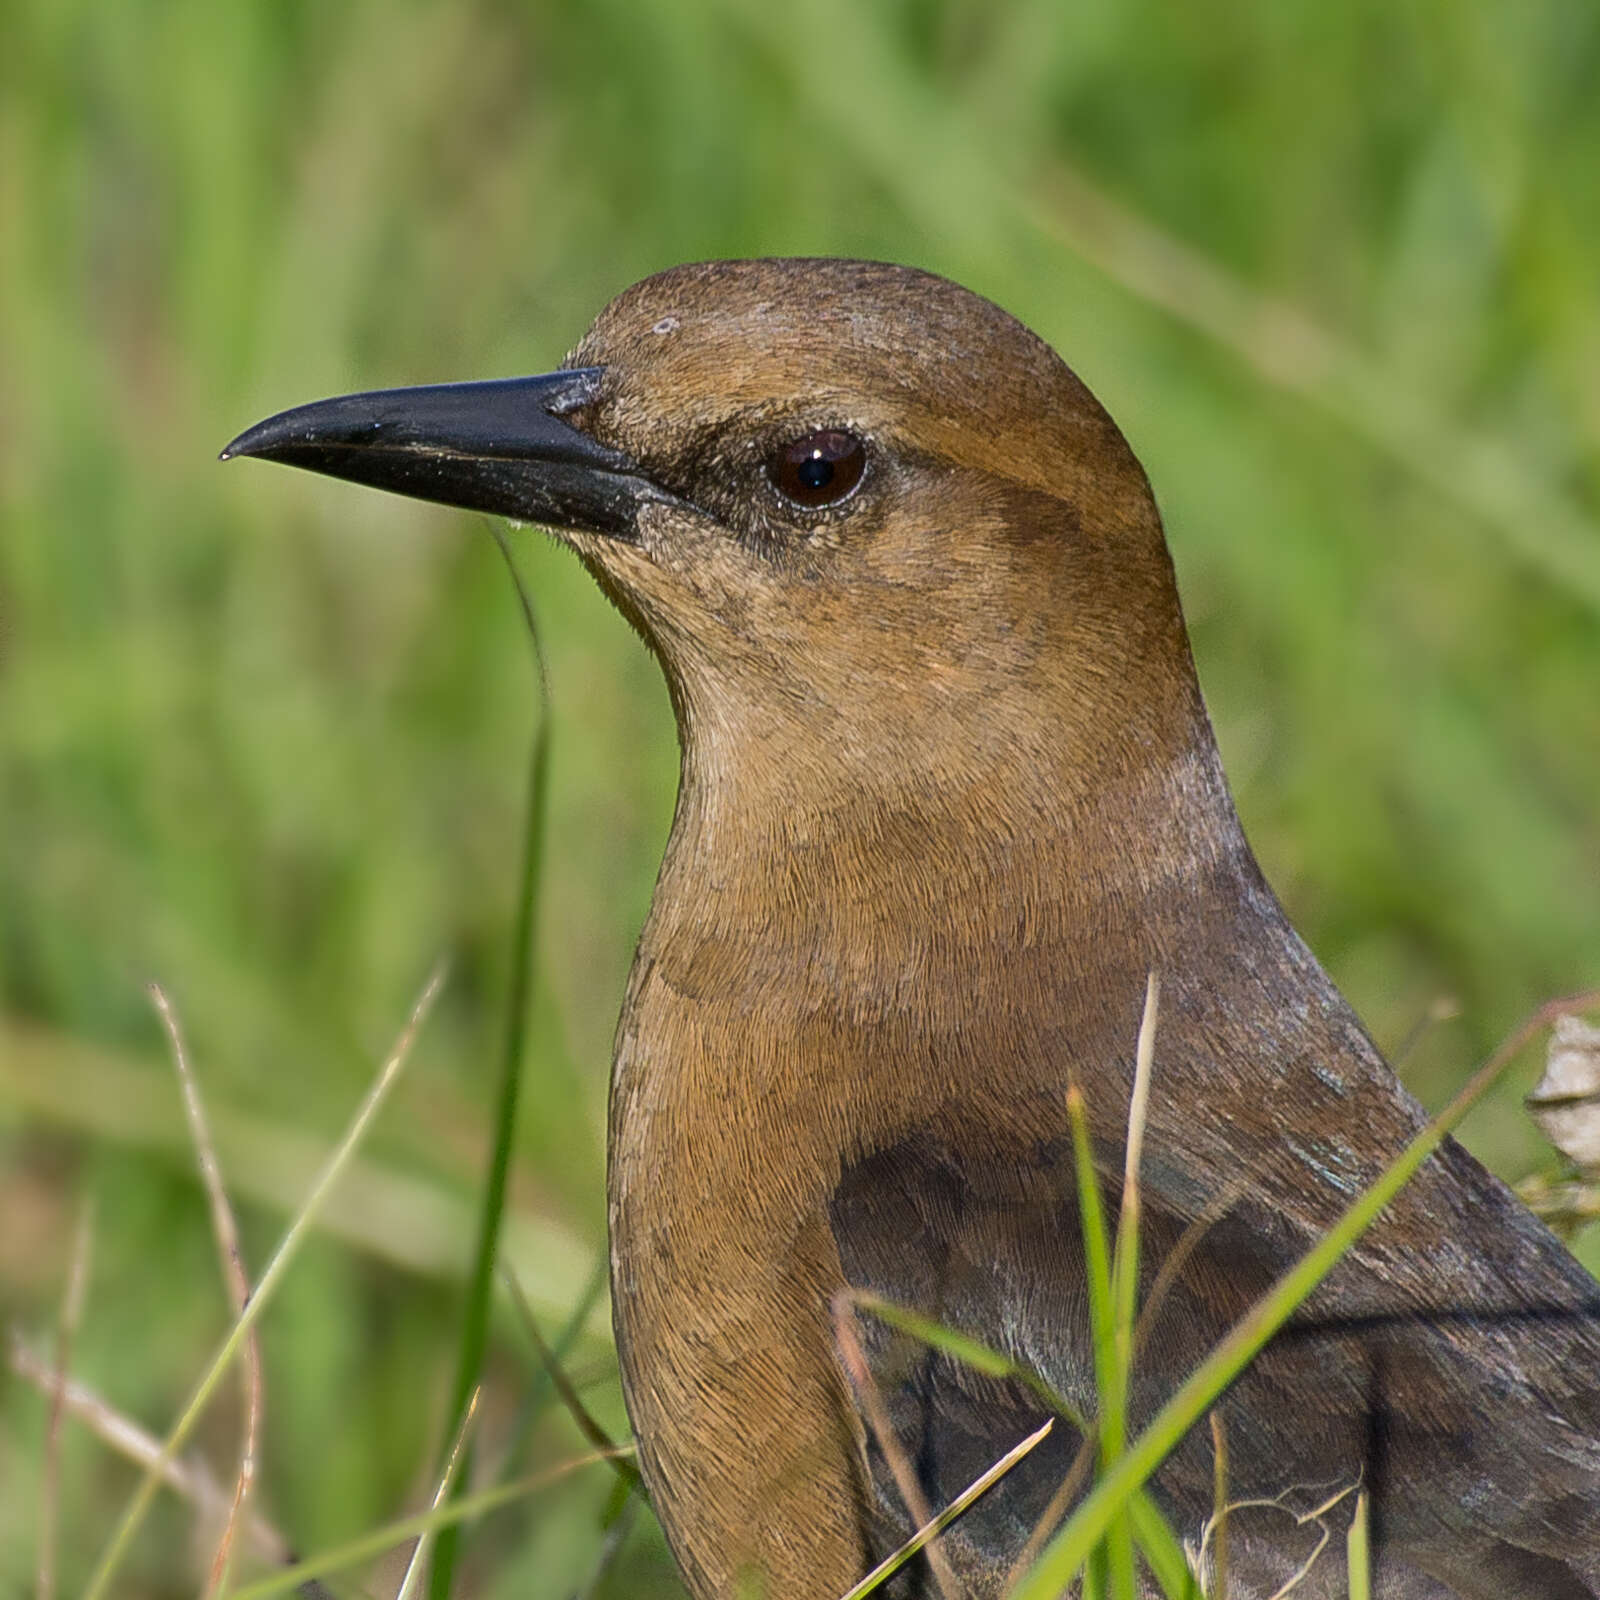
[949, 795]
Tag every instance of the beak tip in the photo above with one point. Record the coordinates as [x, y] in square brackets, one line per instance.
[254, 441]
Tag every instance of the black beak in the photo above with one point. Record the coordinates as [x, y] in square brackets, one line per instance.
[499, 447]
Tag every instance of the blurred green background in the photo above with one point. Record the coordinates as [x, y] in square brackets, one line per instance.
[1334, 268]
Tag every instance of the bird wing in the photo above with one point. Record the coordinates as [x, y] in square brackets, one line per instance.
[1407, 1406]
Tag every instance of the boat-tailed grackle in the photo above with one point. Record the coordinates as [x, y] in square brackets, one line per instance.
[948, 794]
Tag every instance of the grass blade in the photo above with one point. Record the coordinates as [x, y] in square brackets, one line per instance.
[1111, 1382]
[1071, 1548]
[480, 1288]
[1358, 1557]
[970, 1352]
[1155, 1539]
[1162, 1552]
[550, 1363]
[541, 1390]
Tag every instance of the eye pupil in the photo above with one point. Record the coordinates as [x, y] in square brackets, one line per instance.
[816, 473]
[819, 469]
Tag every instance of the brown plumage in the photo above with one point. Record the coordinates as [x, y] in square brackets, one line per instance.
[948, 793]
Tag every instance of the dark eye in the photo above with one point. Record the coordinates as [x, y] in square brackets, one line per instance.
[821, 469]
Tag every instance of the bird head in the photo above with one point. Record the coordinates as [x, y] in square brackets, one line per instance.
[854, 508]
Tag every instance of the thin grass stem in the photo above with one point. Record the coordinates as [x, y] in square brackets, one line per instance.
[463, 1509]
[931, 1529]
[1071, 1548]
[480, 1288]
[870, 1399]
[188, 1478]
[276, 1268]
[1155, 1539]
[570, 1398]
[226, 1232]
[447, 1479]
[1219, 1507]
[67, 1323]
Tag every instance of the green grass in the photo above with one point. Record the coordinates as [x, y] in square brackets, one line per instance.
[266, 738]
[1095, 1548]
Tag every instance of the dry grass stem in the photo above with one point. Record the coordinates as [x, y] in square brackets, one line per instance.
[1139, 1101]
[1443, 1008]
[226, 1232]
[848, 1338]
[355, 1551]
[1126, 1280]
[1546, 1016]
[570, 1398]
[416, 1220]
[979, 1487]
[67, 1324]
[1301, 1519]
[1218, 1588]
[1177, 1258]
[189, 1480]
[100, 1581]
[452, 1467]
